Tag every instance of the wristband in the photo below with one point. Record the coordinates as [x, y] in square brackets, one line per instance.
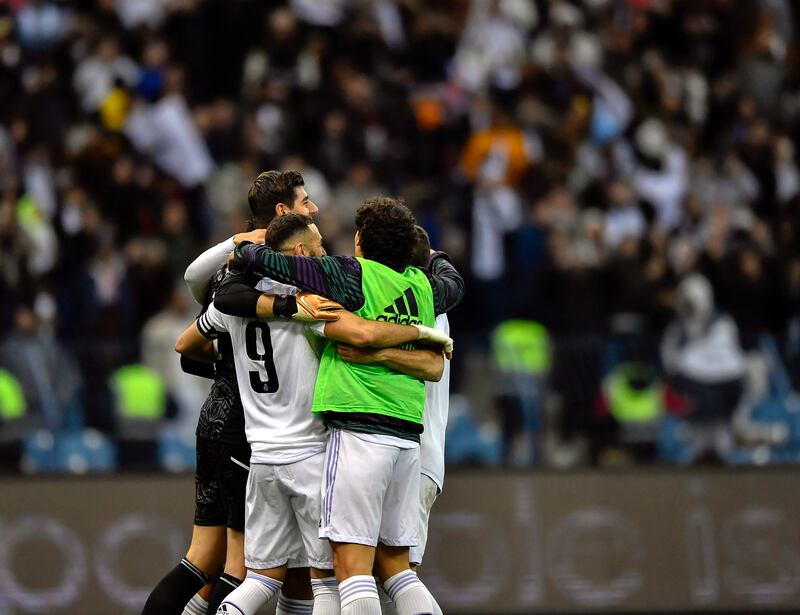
[285, 306]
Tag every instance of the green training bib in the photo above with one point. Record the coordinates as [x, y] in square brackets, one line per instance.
[390, 296]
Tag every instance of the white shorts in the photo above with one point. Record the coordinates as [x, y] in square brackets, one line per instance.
[370, 492]
[282, 513]
[428, 490]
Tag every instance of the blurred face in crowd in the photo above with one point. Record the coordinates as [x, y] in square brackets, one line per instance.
[26, 321]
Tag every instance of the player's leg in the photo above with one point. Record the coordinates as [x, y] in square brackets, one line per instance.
[297, 597]
[358, 593]
[387, 606]
[354, 483]
[326, 591]
[399, 531]
[198, 605]
[234, 573]
[257, 589]
[203, 562]
[206, 555]
[428, 492]
[270, 541]
[307, 504]
[234, 493]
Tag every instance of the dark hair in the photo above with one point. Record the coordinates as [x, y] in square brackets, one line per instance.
[421, 254]
[269, 189]
[387, 234]
[284, 228]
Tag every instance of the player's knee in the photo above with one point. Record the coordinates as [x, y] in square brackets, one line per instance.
[208, 553]
[390, 560]
[211, 564]
[350, 560]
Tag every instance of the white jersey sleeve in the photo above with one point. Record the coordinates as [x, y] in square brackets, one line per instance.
[211, 322]
[198, 274]
[437, 407]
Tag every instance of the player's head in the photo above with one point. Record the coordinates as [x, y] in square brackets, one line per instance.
[294, 235]
[385, 232]
[276, 193]
[421, 254]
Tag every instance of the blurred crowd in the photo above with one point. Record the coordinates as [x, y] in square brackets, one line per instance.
[620, 175]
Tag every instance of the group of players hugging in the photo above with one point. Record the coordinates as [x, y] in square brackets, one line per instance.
[320, 448]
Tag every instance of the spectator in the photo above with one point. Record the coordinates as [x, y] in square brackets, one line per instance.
[96, 75]
[158, 353]
[494, 160]
[48, 376]
[705, 363]
[41, 24]
[575, 159]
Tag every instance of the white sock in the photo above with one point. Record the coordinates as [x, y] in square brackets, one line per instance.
[437, 610]
[290, 606]
[359, 596]
[254, 592]
[326, 596]
[409, 595]
[195, 606]
[387, 606]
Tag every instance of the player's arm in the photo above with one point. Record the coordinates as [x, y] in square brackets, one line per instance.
[197, 339]
[357, 331]
[335, 277]
[423, 364]
[446, 283]
[201, 269]
[238, 297]
[195, 345]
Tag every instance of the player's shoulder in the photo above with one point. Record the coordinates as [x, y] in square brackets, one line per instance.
[349, 264]
[217, 278]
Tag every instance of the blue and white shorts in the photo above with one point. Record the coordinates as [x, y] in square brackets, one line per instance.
[282, 516]
[370, 492]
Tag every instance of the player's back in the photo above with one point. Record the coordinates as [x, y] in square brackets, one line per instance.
[437, 406]
[276, 367]
[221, 416]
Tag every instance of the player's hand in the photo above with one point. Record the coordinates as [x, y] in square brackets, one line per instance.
[435, 336]
[352, 354]
[313, 308]
[256, 236]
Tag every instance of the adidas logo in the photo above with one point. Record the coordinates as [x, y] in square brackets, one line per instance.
[403, 310]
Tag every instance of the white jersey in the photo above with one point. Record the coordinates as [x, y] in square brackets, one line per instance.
[276, 368]
[434, 419]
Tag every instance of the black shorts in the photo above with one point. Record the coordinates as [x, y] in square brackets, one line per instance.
[220, 483]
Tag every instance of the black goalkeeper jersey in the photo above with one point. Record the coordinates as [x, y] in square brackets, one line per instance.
[221, 416]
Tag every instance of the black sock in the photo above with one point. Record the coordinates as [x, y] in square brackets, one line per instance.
[224, 586]
[175, 590]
